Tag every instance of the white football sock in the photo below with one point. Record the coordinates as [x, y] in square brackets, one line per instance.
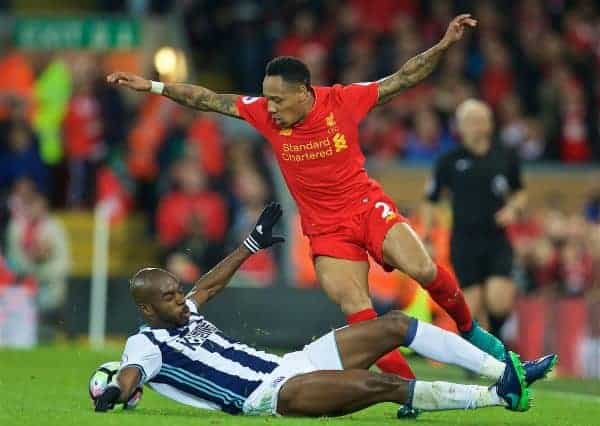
[443, 346]
[433, 396]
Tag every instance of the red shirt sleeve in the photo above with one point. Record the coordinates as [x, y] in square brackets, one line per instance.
[254, 111]
[359, 98]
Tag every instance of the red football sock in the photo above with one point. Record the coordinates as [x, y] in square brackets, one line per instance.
[392, 362]
[445, 291]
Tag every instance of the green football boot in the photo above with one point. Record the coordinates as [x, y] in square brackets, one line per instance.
[485, 341]
[512, 386]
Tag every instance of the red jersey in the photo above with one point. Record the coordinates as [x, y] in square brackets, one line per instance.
[320, 157]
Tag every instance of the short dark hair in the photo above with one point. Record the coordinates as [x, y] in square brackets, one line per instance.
[290, 69]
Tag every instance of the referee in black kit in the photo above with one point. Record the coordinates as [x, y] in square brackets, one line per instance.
[486, 193]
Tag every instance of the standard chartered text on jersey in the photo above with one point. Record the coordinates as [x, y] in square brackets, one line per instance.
[313, 150]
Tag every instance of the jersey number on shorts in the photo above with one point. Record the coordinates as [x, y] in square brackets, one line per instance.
[387, 213]
[386, 209]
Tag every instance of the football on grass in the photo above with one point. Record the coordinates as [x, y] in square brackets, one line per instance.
[105, 375]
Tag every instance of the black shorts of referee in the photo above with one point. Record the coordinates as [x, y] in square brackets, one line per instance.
[476, 257]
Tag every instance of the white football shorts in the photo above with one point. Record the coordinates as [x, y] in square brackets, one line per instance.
[322, 354]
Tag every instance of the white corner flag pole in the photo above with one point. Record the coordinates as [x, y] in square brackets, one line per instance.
[97, 325]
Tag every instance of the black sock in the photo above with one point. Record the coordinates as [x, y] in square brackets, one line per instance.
[496, 323]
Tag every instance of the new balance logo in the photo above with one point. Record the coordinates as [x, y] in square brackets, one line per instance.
[259, 229]
[249, 99]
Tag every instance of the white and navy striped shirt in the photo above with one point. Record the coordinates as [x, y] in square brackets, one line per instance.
[197, 364]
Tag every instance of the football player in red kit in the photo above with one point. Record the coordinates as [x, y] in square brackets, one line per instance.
[345, 214]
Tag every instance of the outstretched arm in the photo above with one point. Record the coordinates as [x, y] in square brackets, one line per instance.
[420, 66]
[260, 238]
[217, 278]
[196, 97]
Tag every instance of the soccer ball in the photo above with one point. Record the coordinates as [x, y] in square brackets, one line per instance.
[105, 375]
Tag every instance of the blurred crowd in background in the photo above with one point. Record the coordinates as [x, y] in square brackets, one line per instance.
[69, 141]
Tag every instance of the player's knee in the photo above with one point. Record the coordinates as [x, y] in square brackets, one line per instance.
[500, 296]
[288, 398]
[397, 323]
[500, 305]
[351, 298]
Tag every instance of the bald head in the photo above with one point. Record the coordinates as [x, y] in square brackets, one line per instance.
[472, 107]
[159, 296]
[475, 125]
[146, 284]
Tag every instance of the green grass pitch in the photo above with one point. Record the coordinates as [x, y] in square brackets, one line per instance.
[48, 386]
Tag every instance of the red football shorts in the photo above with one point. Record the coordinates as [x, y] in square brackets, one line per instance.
[360, 234]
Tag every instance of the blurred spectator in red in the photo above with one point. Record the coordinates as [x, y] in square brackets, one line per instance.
[147, 134]
[304, 35]
[383, 136]
[190, 202]
[37, 245]
[205, 138]
[575, 270]
[111, 187]
[20, 156]
[192, 218]
[315, 58]
[22, 192]
[574, 139]
[497, 80]
[19, 84]
[377, 16]
[554, 248]
[579, 32]
[15, 201]
[82, 129]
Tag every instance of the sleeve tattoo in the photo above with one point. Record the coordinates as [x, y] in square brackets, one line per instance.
[202, 99]
[412, 72]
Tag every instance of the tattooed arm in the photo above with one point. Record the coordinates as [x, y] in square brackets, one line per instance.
[196, 97]
[199, 97]
[419, 67]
